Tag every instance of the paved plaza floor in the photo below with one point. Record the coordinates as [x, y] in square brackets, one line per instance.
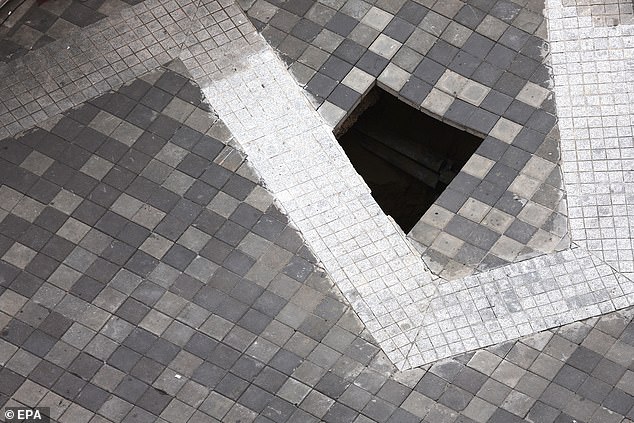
[182, 239]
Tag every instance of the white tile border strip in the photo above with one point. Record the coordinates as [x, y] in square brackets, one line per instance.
[593, 70]
[415, 318]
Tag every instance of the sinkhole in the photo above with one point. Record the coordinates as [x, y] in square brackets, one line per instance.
[406, 157]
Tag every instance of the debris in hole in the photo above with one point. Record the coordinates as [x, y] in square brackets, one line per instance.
[406, 157]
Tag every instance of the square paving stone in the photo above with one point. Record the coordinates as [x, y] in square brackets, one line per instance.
[154, 401]
[87, 288]
[193, 165]
[415, 91]
[179, 257]
[208, 374]
[270, 379]
[163, 351]
[216, 175]
[285, 361]
[619, 401]
[85, 366]
[241, 289]
[147, 370]
[372, 63]
[141, 263]
[43, 191]
[92, 397]
[455, 398]
[208, 147]
[431, 386]
[238, 262]
[156, 98]
[279, 409]
[514, 38]
[186, 137]
[470, 16]
[39, 343]
[149, 143]
[89, 212]
[349, 51]
[131, 389]
[46, 373]
[231, 309]
[570, 377]
[55, 324]
[161, 198]
[26, 284]
[231, 386]
[247, 368]
[255, 398]
[171, 82]
[140, 340]
[341, 24]
[124, 359]
[344, 97]
[340, 413]
[68, 386]
[608, 371]
[584, 359]
[594, 390]
[201, 193]
[284, 20]
[399, 29]
[186, 211]
[201, 345]
[118, 252]
[520, 231]
[50, 219]
[500, 415]
[254, 321]
[185, 286]
[379, 410]
[412, 12]
[112, 150]
[306, 30]
[132, 311]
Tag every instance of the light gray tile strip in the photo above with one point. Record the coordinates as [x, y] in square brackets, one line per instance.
[594, 78]
[101, 57]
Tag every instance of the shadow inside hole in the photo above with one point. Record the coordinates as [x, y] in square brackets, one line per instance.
[406, 157]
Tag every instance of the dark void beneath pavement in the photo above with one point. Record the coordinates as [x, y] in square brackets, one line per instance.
[406, 157]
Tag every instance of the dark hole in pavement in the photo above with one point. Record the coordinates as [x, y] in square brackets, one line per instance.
[406, 157]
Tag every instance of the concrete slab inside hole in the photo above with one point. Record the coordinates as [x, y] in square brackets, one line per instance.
[406, 157]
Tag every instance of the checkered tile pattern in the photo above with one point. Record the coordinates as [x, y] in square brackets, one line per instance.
[480, 67]
[136, 242]
[148, 276]
[393, 323]
[36, 24]
[67, 72]
[370, 260]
